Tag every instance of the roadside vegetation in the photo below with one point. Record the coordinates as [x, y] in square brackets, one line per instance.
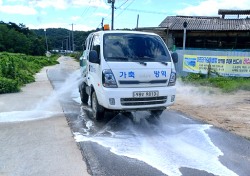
[226, 84]
[76, 55]
[17, 70]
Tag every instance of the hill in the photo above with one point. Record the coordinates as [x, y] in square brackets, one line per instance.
[19, 39]
[61, 39]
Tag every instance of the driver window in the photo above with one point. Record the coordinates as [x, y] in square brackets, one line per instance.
[96, 44]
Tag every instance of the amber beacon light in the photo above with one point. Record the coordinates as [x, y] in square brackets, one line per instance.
[106, 27]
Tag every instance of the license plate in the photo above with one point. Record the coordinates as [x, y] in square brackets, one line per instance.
[146, 94]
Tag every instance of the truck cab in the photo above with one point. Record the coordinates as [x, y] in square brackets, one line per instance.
[127, 71]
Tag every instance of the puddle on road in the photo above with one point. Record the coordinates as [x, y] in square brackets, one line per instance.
[164, 145]
[43, 108]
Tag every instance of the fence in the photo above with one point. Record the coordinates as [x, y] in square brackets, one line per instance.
[181, 53]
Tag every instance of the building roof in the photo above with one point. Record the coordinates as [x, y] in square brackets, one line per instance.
[205, 23]
[233, 12]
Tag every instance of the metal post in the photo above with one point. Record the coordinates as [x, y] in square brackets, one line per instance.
[184, 35]
[184, 39]
[167, 36]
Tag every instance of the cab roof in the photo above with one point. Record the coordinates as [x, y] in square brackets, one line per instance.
[123, 31]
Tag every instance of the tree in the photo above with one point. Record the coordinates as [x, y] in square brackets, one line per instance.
[19, 39]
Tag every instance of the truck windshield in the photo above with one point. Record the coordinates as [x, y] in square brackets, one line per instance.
[129, 47]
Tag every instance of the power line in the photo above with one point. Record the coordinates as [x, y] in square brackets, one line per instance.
[86, 9]
[116, 8]
[124, 8]
[122, 4]
[102, 21]
[146, 11]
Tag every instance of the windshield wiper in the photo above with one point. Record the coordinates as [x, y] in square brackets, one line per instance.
[164, 63]
[140, 60]
[143, 59]
[143, 63]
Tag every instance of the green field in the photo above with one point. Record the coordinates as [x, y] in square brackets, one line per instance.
[17, 70]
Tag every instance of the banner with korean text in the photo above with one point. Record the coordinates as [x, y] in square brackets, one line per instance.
[224, 65]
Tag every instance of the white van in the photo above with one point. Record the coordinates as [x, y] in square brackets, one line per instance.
[127, 71]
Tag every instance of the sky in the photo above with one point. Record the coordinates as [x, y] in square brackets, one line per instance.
[84, 15]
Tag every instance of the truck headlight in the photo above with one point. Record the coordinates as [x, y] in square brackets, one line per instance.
[172, 79]
[108, 79]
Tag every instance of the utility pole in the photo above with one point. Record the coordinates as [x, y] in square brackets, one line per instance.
[69, 41]
[102, 23]
[137, 21]
[62, 45]
[112, 6]
[73, 46]
[46, 40]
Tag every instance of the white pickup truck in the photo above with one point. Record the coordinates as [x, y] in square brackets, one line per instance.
[127, 71]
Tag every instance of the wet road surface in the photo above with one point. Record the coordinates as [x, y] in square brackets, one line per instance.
[138, 144]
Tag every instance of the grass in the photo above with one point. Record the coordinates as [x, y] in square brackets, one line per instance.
[226, 84]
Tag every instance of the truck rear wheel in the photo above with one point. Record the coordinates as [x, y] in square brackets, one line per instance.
[97, 109]
[84, 96]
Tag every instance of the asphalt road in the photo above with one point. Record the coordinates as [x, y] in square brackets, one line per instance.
[140, 145]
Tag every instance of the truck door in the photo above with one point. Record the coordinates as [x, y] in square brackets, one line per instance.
[94, 68]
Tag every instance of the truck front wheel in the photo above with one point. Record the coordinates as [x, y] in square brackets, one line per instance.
[97, 109]
[156, 113]
[84, 96]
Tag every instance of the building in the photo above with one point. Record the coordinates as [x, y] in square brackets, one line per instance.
[207, 32]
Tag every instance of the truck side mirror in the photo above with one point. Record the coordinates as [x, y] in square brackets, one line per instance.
[81, 62]
[174, 57]
[93, 57]
[84, 47]
[81, 58]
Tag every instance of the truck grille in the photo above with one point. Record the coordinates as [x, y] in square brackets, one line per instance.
[144, 82]
[143, 101]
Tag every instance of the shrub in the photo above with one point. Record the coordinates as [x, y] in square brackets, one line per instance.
[76, 55]
[20, 68]
[8, 85]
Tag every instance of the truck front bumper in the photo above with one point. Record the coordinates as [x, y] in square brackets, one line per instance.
[123, 99]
